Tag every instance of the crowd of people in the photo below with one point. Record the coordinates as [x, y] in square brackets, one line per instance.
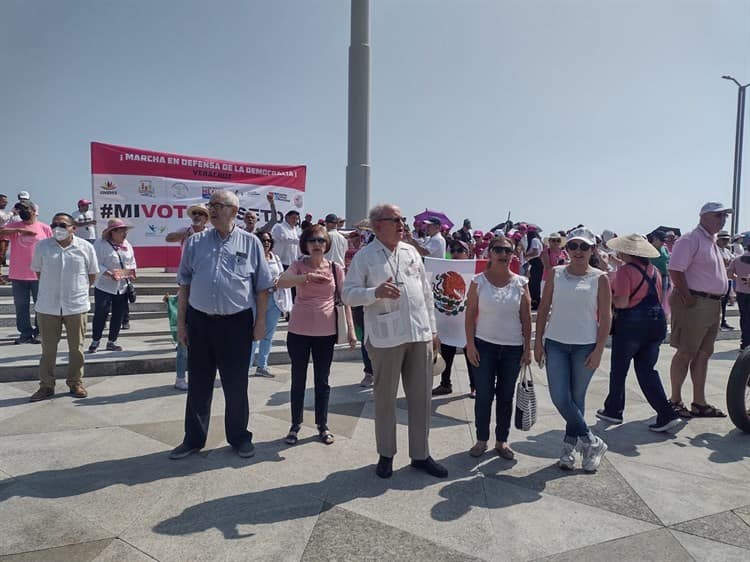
[235, 284]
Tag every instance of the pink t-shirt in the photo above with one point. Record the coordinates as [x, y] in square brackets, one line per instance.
[22, 249]
[741, 268]
[697, 256]
[556, 257]
[627, 278]
[313, 311]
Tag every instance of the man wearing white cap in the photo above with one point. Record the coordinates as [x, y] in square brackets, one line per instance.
[84, 221]
[700, 281]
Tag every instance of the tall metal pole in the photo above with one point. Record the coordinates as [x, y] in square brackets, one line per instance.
[738, 140]
[358, 159]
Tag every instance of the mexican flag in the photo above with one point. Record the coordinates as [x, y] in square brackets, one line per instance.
[450, 280]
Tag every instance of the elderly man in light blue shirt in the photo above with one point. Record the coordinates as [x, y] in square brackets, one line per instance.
[222, 300]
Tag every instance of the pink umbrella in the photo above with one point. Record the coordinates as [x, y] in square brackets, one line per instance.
[428, 214]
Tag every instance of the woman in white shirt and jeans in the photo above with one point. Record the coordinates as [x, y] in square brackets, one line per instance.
[498, 342]
[578, 327]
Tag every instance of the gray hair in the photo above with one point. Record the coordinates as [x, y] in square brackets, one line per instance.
[377, 211]
[228, 197]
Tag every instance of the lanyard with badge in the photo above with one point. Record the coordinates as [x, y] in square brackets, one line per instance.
[395, 271]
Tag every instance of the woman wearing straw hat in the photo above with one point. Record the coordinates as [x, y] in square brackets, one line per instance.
[639, 328]
[116, 268]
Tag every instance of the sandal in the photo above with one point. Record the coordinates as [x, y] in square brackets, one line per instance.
[478, 449]
[680, 409]
[291, 437]
[706, 411]
[505, 452]
[327, 437]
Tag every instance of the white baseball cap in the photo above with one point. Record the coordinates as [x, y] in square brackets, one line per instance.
[23, 195]
[715, 207]
[583, 234]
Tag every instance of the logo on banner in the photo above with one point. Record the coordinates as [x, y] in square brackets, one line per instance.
[449, 292]
[179, 191]
[108, 188]
[146, 189]
[208, 191]
[155, 230]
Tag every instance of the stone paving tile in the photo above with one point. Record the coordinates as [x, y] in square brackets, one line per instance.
[704, 550]
[653, 545]
[32, 523]
[14, 401]
[172, 433]
[676, 497]
[50, 415]
[725, 527]
[344, 535]
[80, 552]
[606, 489]
[229, 515]
[742, 512]
[342, 417]
[119, 551]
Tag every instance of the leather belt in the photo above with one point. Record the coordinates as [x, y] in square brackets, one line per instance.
[706, 295]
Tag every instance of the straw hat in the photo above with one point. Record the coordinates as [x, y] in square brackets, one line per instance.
[200, 208]
[112, 224]
[438, 365]
[633, 245]
[556, 236]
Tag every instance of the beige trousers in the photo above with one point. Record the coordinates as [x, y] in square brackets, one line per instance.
[50, 328]
[411, 362]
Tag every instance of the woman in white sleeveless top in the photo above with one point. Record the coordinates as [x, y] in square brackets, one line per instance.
[573, 342]
[498, 342]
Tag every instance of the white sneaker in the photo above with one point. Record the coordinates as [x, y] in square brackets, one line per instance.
[568, 457]
[593, 453]
[367, 380]
[181, 384]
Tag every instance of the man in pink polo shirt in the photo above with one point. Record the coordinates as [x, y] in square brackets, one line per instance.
[700, 281]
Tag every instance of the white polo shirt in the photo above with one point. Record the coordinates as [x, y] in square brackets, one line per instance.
[435, 244]
[339, 246]
[286, 242]
[63, 276]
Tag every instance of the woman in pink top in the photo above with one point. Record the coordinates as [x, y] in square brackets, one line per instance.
[312, 326]
[554, 254]
[639, 327]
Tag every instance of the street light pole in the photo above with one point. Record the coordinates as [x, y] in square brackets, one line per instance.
[739, 132]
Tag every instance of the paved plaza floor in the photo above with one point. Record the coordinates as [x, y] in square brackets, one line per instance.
[89, 479]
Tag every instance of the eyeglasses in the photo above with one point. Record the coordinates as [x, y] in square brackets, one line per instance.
[316, 240]
[218, 206]
[501, 250]
[394, 220]
[575, 245]
[60, 225]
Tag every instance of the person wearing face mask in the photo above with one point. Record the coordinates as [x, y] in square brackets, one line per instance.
[117, 267]
[24, 234]
[66, 266]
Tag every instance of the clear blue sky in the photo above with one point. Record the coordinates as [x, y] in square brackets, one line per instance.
[606, 112]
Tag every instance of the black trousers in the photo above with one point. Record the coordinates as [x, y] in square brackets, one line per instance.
[221, 342]
[449, 353]
[103, 301]
[536, 269]
[300, 347]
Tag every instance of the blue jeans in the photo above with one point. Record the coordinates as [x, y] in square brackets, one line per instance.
[181, 361]
[568, 381]
[495, 378]
[637, 338]
[263, 347]
[23, 292]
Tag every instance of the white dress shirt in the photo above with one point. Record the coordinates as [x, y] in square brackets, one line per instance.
[286, 242]
[63, 276]
[391, 322]
[435, 245]
[108, 260]
[339, 246]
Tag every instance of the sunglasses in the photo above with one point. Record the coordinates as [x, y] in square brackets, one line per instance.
[394, 220]
[264, 240]
[60, 224]
[575, 245]
[198, 214]
[316, 240]
[501, 250]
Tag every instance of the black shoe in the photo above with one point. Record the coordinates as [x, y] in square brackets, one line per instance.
[21, 340]
[442, 390]
[430, 467]
[125, 326]
[725, 326]
[385, 467]
[182, 451]
[246, 450]
[602, 414]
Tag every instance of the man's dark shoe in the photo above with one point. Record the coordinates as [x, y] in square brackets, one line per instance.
[42, 394]
[384, 469]
[441, 390]
[246, 450]
[430, 467]
[182, 451]
[22, 339]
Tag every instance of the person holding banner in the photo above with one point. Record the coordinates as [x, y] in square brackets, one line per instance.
[116, 269]
[221, 308]
[498, 343]
[388, 279]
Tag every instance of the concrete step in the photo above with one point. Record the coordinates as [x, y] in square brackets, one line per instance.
[141, 289]
[144, 303]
